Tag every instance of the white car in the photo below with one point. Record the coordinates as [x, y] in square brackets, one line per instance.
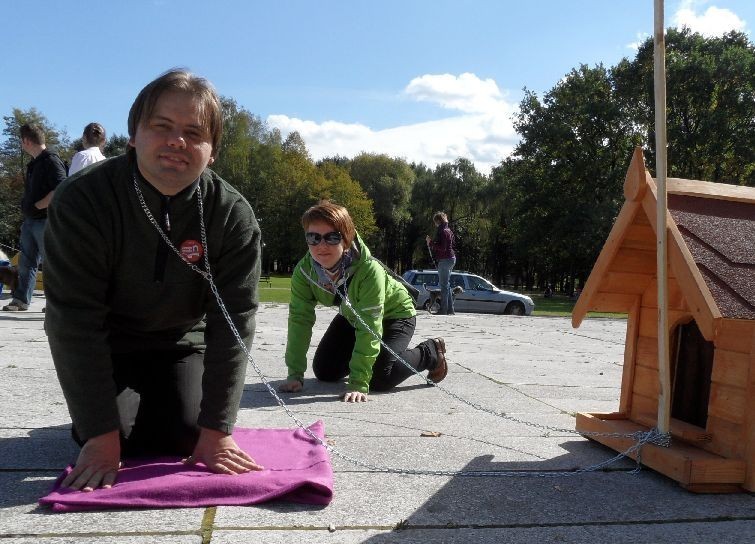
[479, 294]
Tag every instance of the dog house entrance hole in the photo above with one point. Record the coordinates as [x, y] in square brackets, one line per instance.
[692, 367]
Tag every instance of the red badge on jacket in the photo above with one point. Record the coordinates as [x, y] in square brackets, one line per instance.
[191, 250]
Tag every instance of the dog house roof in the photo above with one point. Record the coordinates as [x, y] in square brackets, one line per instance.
[711, 247]
[720, 235]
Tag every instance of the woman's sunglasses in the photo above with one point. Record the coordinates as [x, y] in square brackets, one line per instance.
[331, 238]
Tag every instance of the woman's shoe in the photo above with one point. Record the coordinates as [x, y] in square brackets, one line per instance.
[441, 367]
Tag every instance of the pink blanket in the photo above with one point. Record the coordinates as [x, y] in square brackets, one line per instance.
[297, 469]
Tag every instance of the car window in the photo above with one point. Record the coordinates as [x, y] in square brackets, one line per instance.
[457, 281]
[480, 284]
[424, 278]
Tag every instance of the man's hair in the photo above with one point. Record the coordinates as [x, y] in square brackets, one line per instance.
[179, 80]
[333, 214]
[94, 135]
[440, 217]
[33, 132]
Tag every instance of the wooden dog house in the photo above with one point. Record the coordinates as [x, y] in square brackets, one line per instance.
[711, 317]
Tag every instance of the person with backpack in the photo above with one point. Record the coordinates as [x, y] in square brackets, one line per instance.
[339, 271]
[443, 252]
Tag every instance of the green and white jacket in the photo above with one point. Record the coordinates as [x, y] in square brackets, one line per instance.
[373, 294]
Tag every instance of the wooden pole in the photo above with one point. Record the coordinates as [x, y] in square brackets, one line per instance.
[664, 367]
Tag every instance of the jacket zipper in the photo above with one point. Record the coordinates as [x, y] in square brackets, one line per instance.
[161, 256]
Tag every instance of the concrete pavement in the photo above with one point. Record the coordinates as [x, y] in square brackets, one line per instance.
[536, 370]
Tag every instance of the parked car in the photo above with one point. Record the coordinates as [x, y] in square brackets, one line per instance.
[479, 294]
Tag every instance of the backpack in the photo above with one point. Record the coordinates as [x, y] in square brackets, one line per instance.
[413, 291]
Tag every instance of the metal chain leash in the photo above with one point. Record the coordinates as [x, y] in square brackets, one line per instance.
[642, 438]
[657, 437]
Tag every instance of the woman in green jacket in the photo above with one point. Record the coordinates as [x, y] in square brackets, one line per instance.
[339, 266]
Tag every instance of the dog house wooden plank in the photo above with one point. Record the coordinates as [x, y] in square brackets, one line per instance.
[727, 402]
[647, 352]
[749, 427]
[633, 260]
[630, 356]
[649, 320]
[640, 236]
[646, 381]
[736, 335]
[675, 294]
[726, 438]
[730, 367]
[644, 407]
[692, 467]
[611, 302]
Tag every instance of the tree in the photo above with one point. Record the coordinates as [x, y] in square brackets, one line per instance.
[116, 145]
[567, 190]
[387, 182]
[710, 85]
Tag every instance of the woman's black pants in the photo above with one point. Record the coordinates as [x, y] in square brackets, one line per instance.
[333, 354]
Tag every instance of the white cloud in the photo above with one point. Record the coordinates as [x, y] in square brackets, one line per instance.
[481, 131]
[713, 21]
[466, 92]
[641, 37]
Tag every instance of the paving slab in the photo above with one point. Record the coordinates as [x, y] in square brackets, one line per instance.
[536, 371]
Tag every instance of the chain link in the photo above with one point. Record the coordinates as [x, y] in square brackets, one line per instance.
[653, 436]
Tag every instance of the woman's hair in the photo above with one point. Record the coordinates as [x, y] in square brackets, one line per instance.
[440, 217]
[94, 135]
[182, 81]
[333, 214]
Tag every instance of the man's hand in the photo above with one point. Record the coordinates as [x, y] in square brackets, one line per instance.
[97, 464]
[291, 386]
[220, 453]
[354, 396]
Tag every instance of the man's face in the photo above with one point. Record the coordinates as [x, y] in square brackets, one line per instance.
[172, 146]
[25, 145]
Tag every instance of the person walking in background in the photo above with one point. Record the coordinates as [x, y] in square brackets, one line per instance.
[93, 139]
[443, 251]
[43, 174]
[339, 265]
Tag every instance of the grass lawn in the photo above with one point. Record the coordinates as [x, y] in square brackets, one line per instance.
[561, 306]
[558, 305]
[278, 291]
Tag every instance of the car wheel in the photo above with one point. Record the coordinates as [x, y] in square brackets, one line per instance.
[514, 308]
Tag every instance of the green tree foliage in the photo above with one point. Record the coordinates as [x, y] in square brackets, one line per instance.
[280, 180]
[566, 188]
[387, 182]
[116, 145]
[710, 86]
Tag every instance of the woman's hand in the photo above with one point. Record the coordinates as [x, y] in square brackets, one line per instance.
[354, 396]
[428, 239]
[97, 464]
[220, 453]
[291, 386]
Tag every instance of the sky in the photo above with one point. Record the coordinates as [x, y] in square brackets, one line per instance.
[426, 80]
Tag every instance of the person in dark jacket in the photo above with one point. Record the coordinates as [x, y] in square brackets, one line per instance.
[144, 355]
[443, 251]
[43, 174]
